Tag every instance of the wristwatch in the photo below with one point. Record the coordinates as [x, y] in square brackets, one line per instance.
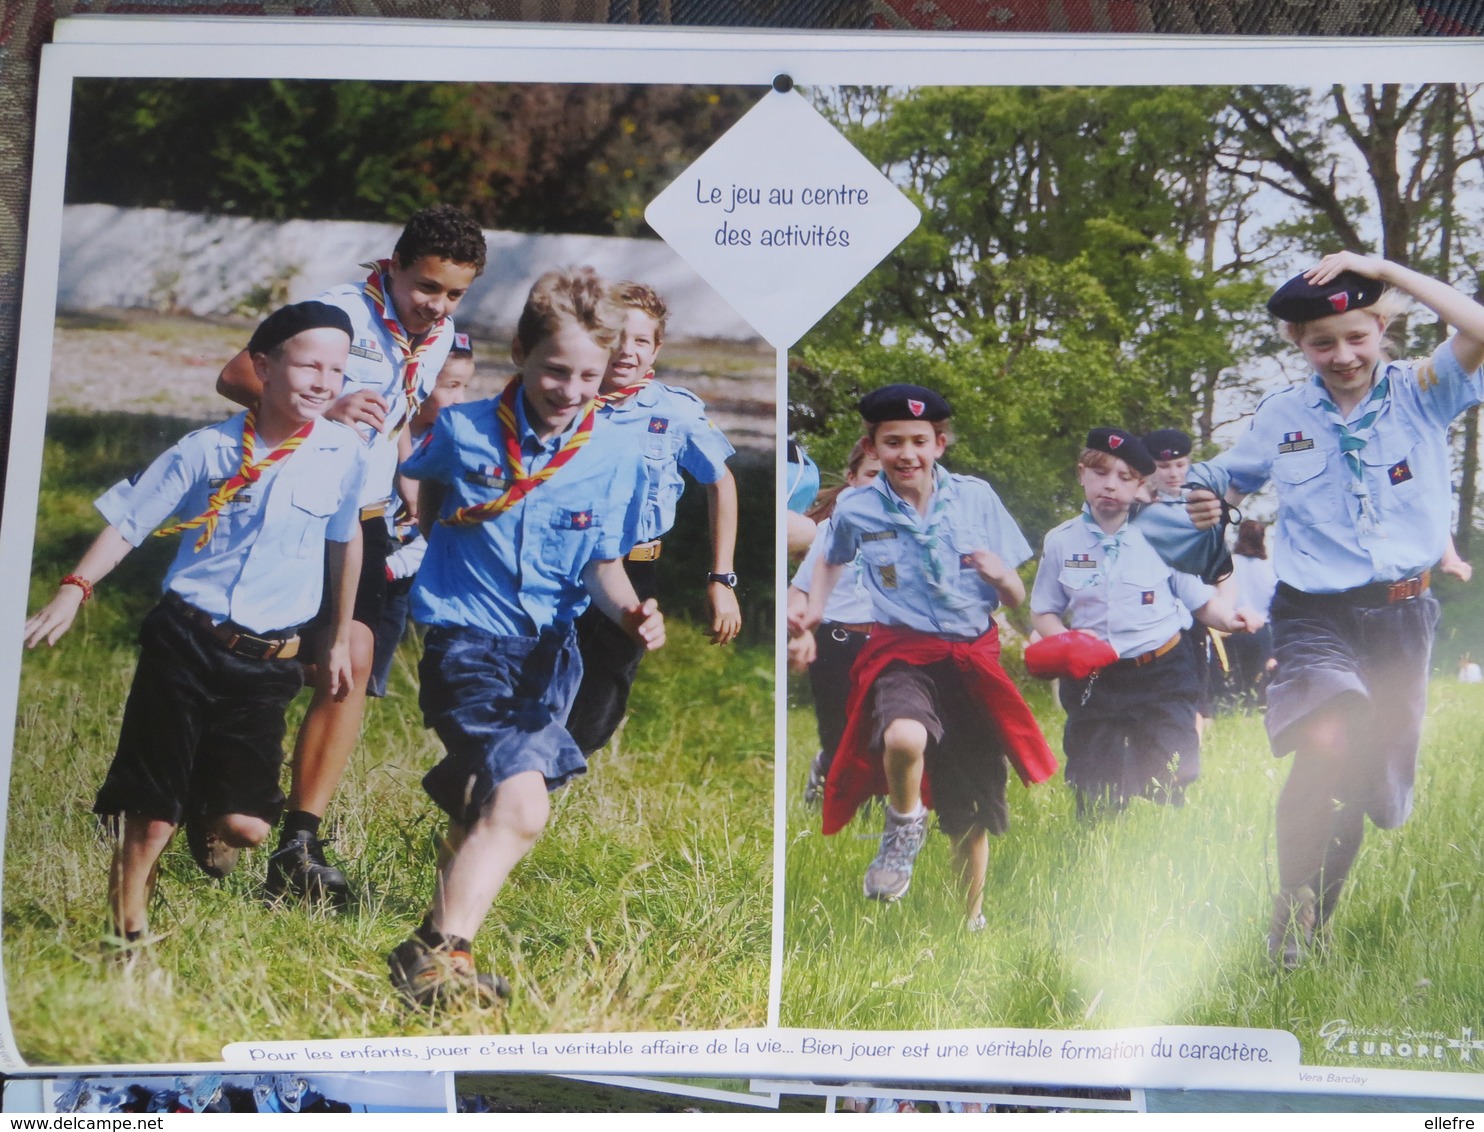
[728, 579]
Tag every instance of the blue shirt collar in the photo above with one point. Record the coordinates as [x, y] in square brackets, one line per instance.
[528, 438]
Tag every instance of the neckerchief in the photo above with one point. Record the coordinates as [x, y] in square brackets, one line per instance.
[1111, 544]
[619, 395]
[376, 291]
[926, 534]
[521, 483]
[249, 472]
[1353, 439]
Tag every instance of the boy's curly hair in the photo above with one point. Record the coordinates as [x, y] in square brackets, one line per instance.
[643, 297]
[444, 232]
[570, 295]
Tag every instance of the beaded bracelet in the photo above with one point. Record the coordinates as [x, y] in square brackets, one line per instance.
[81, 583]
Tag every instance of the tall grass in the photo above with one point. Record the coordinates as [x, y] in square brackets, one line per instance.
[1155, 917]
[644, 905]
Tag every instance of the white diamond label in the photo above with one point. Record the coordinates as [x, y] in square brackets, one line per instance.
[783, 216]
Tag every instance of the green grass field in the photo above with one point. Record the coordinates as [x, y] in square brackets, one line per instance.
[644, 906]
[1157, 917]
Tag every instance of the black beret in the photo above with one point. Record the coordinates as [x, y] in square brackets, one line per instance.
[1167, 444]
[903, 403]
[296, 318]
[1298, 300]
[1125, 446]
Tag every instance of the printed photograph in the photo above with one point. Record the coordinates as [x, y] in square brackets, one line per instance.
[1131, 617]
[400, 628]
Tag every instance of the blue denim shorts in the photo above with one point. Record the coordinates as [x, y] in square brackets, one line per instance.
[500, 705]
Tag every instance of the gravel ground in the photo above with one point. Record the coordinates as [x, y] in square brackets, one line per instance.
[143, 361]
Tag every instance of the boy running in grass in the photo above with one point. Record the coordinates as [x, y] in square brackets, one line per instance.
[1359, 456]
[1131, 727]
[669, 426]
[402, 315]
[262, 500]
[535, 509]
[932, 716]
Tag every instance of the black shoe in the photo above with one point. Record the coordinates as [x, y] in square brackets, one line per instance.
[299, 867]
[434, 978]
[216, 858]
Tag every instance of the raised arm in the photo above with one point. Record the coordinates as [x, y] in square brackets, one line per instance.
[1452, 306]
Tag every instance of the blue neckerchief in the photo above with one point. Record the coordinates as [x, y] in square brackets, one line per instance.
[1111, 544]
[1353, 439]
[924, 530]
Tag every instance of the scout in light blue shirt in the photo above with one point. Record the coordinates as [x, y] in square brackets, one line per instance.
[522, 571]
[919, 569]
[255, 500]
[261, 567]
[1131, 727]
[1359, 457]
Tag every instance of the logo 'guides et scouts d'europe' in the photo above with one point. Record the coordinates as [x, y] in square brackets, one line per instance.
[1295, 442]
[1115, 442]
[1403, 1045]
[915, 407]
[1340, 301]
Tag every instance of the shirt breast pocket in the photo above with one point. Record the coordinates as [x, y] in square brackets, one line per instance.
[1304, 490]
[1140, 595]
[1079, 580]
[313, 501]
[1393, 464]
[569, 538]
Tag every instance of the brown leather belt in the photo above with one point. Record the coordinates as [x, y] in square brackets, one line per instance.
[645, 551]
[1150, 657]
[846, 627]
[238, 642]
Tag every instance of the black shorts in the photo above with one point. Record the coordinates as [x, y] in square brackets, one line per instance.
[965, 764]
[1136, 734]
[610, 662]
[1378, 659]
[203, 729]
[371, 591]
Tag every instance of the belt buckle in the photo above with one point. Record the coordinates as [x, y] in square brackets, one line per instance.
[253, 648]
[1403, 591]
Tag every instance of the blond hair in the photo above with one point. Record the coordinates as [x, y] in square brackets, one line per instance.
[569, 295]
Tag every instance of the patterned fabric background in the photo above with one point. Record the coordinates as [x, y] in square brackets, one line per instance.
[26, 24]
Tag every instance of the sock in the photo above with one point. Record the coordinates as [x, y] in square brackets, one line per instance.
[902, 819]
[296, 821]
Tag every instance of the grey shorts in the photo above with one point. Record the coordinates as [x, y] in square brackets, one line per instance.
[965, 762]
[1371, 663]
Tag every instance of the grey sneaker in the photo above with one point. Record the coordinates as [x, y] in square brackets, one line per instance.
[1291, 935]
[891, 872]
[818, 771]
